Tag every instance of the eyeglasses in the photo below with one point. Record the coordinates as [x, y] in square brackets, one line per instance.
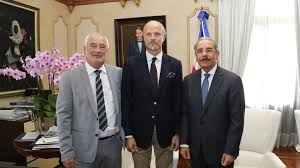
[155, 34]
[95, 46]
[207, 51]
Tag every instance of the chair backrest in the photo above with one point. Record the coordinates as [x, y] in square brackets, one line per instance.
[260, 130]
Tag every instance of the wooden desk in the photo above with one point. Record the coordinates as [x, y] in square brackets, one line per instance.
[25, 149]
[9, 131]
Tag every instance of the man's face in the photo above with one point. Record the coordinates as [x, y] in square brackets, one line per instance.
[139, 35]
[206, 55]
[153, 37]
[96, 51]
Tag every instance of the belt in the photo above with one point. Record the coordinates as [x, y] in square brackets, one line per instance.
[104, 138]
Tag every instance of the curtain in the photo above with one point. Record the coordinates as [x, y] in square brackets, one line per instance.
[271, 71]
[297, 27]
[235, 26]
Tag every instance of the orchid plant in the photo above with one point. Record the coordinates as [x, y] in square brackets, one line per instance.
[48, 64]
[51, 64]
[14, 73]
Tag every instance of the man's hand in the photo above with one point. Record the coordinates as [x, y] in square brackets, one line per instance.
[71, 163]
[131, 145]
[227, 159]
[175, 143]
[185, 153]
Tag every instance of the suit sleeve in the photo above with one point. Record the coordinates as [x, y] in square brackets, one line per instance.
[64, 110]
[126, 99]
[178, 96]
[236, 104]
[184, 117]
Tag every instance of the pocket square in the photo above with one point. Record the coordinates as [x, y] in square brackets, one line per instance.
[171, 75]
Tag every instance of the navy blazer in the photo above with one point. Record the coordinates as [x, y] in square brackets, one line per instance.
[138, 104]
[216, 127]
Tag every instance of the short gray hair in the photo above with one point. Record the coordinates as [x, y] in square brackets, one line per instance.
[215, 45]
[95, 34]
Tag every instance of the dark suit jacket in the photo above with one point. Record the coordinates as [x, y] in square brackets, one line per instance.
[134, 50]
[217, 127]
[138, 104]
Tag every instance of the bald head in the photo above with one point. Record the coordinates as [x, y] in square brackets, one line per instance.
[154, 23]
[154, 36]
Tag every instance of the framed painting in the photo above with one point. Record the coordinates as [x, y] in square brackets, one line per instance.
[125, 30]
[19, 38]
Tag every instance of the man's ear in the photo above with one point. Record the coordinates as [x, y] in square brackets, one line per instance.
[165, 36]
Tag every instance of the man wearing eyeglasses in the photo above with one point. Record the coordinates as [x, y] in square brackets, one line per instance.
[213, 111]
[89, 110]
[151, 93]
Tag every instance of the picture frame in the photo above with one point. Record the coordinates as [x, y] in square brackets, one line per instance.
[125, 33]
[19, 37]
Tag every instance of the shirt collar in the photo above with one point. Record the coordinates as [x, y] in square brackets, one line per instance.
[90, 70]
[211, 72]
[150, 56]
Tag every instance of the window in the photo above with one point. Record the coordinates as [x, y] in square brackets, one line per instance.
[270, 72]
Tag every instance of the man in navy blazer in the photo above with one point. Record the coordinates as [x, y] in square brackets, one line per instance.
[151, 100]
[213, 111]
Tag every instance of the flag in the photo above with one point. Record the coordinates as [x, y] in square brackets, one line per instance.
[203, 32]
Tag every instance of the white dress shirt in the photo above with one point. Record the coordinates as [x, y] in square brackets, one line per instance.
[108, 100]
[157, 62]
[211, 76]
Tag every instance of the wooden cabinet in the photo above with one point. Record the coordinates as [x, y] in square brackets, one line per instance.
[9, 131]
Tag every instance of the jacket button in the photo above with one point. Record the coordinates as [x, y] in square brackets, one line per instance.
[153, 117]
[96, 134]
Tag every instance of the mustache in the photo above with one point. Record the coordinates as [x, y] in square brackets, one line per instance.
[153, 42]
[205, 59]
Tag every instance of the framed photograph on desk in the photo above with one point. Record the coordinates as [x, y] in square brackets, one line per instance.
[19, 37]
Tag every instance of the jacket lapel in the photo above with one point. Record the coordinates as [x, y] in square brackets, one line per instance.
[215, 85]
[136, 47]
[144, 72]
[196, 91]
[163, 71]
[112, 84]
[88, 87]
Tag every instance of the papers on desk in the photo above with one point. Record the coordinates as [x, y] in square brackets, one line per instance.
[30, 136]
[14, 114]
[46, 143]
[50, 140]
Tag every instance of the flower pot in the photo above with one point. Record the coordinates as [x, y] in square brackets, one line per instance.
[42, 124]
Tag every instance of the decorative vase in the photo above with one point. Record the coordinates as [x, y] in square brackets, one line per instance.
[42, 124]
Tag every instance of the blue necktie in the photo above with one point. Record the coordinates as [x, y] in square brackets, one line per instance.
[205, 85]
[100, 102]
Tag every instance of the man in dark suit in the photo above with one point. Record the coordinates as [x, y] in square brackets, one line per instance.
[213, 111]
[137, 46]
[151, 97]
